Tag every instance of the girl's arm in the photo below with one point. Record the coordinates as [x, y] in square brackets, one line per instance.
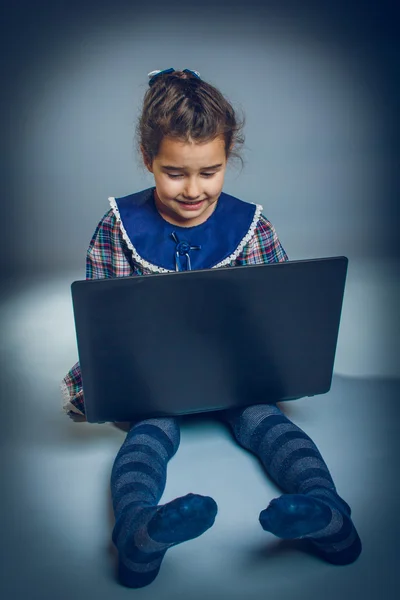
[268, 245]
[264, 246]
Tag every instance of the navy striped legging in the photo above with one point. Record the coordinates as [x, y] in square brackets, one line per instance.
[287, 453]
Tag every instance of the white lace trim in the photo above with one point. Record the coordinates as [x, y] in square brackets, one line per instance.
[156, 269]
[244, 241]
[131, 247]
[67, 405]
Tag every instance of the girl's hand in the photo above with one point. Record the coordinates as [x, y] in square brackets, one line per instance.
[76, 417]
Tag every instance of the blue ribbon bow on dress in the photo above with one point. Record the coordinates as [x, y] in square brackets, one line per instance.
[182, 249]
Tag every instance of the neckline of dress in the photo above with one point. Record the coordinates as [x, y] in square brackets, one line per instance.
[153, 268]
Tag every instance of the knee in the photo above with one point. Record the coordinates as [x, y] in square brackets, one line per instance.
[170, 426]
[252, 414]
[260, 410]
[244, 421]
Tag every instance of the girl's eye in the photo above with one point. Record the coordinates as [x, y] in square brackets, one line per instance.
[204, 174]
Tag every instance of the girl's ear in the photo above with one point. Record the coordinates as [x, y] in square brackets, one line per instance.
[231, 148]
[146, 160]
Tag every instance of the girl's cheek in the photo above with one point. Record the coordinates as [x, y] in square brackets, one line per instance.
[170, 187]
[215, 186]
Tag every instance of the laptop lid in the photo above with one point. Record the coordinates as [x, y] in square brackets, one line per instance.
[194, 341]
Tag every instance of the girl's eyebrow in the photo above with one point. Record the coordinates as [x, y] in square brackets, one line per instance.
[171, 168]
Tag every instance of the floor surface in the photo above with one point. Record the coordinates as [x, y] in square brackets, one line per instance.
[56, 513]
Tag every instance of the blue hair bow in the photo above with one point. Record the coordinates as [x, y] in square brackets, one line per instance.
[154, 74]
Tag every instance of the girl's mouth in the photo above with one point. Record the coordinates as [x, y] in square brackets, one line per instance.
[192, 205]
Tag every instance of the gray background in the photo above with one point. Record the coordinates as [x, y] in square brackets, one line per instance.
[318, 83]
[319, 87]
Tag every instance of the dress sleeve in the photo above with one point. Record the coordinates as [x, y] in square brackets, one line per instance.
[106, 257]
[264, 246]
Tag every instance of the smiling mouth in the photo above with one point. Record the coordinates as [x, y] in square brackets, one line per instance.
[195, 202]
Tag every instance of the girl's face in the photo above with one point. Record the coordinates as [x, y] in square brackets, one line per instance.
[189, 178]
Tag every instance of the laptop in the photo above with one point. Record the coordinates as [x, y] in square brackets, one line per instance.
[207, 340]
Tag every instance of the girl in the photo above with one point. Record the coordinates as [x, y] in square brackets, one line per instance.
[187, 132]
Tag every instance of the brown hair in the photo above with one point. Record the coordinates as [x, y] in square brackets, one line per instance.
[181, 106]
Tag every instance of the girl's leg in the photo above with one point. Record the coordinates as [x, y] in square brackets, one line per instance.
[143, 530]
[311, 507]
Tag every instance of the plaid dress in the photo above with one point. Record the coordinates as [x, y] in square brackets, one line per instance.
[112, 253]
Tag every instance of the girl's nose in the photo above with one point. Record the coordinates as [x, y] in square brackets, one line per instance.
[191, 191]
